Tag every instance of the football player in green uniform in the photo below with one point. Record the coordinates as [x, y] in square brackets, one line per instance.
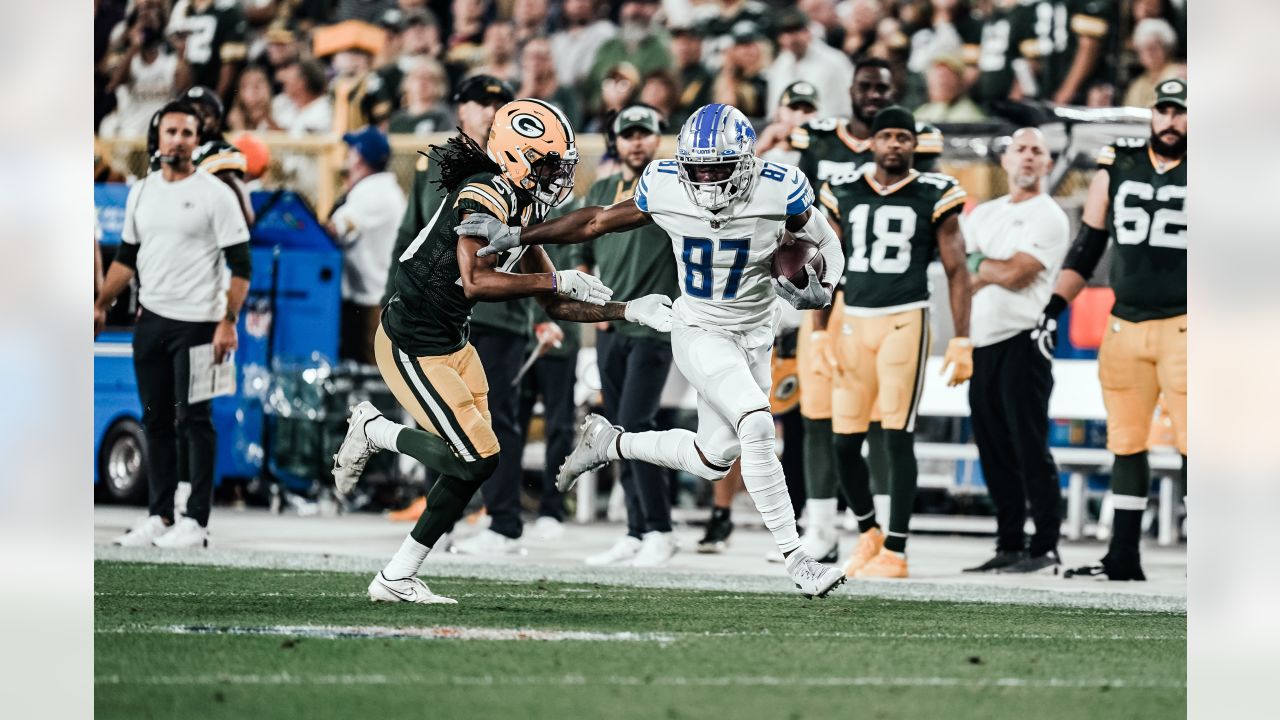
[830, 147]
[1138, 197]
[894, 220]
[422, 347]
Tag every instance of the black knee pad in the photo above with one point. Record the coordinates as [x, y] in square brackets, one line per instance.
[480, 470]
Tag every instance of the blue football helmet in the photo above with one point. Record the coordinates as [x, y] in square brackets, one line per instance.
[715, 152]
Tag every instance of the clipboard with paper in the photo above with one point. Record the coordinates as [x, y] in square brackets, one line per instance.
[210, 379]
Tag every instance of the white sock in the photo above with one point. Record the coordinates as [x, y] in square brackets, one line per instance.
[407, 560]
[763, 477]
[673, 449]
[383, 432]
[882, 503]
[822, 516]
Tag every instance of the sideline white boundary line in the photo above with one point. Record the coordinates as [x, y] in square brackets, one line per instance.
[633, 680]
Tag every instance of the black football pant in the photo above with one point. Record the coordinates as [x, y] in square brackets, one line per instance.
[633, 372]
[1009, 400]
[181, 442]
[552, 378]
[501, 354]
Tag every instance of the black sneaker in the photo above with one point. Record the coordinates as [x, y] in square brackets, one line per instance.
[1035, 563]
[1115, 568]
[1003, 559]
[719, 528]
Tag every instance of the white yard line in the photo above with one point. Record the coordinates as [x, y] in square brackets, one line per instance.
[634, 680]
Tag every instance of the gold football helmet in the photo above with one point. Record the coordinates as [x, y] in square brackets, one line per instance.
[532, 141]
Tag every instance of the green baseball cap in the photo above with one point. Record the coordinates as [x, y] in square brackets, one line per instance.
[800, 91]
[641, 116]
[1171, 91]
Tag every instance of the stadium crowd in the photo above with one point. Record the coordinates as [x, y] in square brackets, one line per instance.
[318, 66]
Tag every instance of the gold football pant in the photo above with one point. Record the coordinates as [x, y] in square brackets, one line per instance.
[448, 395]
[880, 365]
[815, 379]
[1138, 362]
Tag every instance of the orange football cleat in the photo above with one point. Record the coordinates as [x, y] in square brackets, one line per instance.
[869, 545]
[887, 564]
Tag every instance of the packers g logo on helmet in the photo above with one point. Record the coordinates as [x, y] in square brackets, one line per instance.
[533, 144]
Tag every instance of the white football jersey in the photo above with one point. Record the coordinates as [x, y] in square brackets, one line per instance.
[723, 259]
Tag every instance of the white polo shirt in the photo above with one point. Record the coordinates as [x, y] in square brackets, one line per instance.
[1001, 229]
[367, 223]
[180, 229]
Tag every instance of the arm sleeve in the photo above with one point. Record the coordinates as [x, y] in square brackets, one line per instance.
[239, 259]
[1086, 251]
[799, 193]
[127, 255]
[818, 231]
[229, 227]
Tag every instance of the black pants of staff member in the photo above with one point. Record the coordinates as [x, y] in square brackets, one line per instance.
[181, 441]
[552, 379]
[501, 354]
[633, 372]
[1009, 399]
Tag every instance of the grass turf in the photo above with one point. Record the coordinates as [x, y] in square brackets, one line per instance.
[720, 654]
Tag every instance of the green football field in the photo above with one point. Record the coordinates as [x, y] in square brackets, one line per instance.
[211, 642]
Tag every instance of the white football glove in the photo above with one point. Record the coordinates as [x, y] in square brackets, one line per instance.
[577, 285]
[812, 297]
[499, 235]
[651, 311]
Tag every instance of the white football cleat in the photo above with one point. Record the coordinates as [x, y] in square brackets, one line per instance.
[142, 533]
[186, 533]
[590, 453]
[410, 589]
[622, 552]
[487, 542]
[355, 449]
[812, 577]
[547, 528]
[656, 549]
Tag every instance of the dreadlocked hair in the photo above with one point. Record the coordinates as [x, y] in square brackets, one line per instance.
[460, 158]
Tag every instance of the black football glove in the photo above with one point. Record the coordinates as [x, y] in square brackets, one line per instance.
[1045, 333]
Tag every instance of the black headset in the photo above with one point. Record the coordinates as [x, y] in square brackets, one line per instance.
[153, 128]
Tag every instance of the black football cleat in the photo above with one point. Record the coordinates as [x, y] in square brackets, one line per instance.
[1114, 568]
[716, 539]
[1048, 562]
[1002, 559]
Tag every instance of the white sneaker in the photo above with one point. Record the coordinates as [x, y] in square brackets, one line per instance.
[186, 533]
[594, 438]
[622, 552]
[774, 556]
[355, 449]
[409, 589]
[547, 528]
[487, 542]
[656, 549]
[142, 533]
[812, 577]
[821, 546]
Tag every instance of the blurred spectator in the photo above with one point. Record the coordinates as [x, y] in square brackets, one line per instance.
[798, 105]
[1100, 95]
[358, 97]
[370, 11]
[499, 52]
[619, 89]
[717, 24]
[574, 47]
[1171, 11]
[1009, 45]
[465, 44]
[1155, 41]
[948, 102]
[282, 48]
[891, 42]
[364, 224]
[696, 81]
[824, 23]
[418, 38]
[801, 58]
[1091, 36]
[661, 91]
[538, 80]
[639, 42]
[215, 46]
[146, 74]
[741, 81]
[302, 108]
[107, 16]
[859, 19]
[530, 18]
[423, 110]
[251, 109]
[949, 30]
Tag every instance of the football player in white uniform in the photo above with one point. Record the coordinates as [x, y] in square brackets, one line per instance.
[725, 211]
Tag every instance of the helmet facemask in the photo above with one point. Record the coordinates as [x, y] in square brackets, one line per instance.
[550, 178]
[714, 184]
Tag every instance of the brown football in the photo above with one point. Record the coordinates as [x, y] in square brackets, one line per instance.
[791, 260]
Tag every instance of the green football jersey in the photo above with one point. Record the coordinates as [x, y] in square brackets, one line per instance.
[1008, 35]
[828, 149]
[428, 314]
[1147, 220]
[890, 234]
[1071, 20]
